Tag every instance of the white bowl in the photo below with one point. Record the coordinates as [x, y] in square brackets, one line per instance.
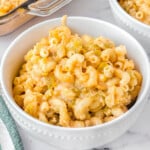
[140, 30]
[73, 138]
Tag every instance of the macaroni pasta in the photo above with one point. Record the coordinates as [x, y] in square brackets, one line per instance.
[76, 81]
[8, 5]
[139, 9]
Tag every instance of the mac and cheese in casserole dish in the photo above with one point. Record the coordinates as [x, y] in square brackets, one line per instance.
[70, 80]
[8, 5]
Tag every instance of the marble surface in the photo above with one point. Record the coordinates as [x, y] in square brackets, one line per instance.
[138, 136]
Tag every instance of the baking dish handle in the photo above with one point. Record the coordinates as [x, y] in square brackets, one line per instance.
[46, 7]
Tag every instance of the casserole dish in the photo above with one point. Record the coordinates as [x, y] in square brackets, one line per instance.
[11, 21]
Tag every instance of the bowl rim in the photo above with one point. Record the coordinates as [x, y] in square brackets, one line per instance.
[116, 3]
[11, 101]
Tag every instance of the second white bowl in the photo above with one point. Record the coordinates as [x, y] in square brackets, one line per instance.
[138, 29]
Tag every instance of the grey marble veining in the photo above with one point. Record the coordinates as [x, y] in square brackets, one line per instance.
[138, 136]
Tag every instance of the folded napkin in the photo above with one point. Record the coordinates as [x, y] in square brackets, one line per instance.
[9, 136]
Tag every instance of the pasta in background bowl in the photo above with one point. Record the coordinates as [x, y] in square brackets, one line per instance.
[73, 138]
[128, 17]
[138, 9]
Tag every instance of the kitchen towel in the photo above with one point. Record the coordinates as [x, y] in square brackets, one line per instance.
[9, 135]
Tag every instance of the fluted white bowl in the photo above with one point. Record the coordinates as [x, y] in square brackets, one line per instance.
[138, 29]
[73, 138]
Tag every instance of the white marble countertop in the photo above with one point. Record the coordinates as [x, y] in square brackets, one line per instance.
[138, 136]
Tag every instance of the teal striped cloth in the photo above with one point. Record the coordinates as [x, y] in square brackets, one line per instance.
[9, 135]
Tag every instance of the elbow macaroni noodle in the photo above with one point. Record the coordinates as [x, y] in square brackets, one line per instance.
[76, 81]
[139, 9]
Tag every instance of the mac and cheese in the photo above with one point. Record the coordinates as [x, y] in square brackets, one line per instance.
[8, 5]
[139, 9]
[76, 81]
